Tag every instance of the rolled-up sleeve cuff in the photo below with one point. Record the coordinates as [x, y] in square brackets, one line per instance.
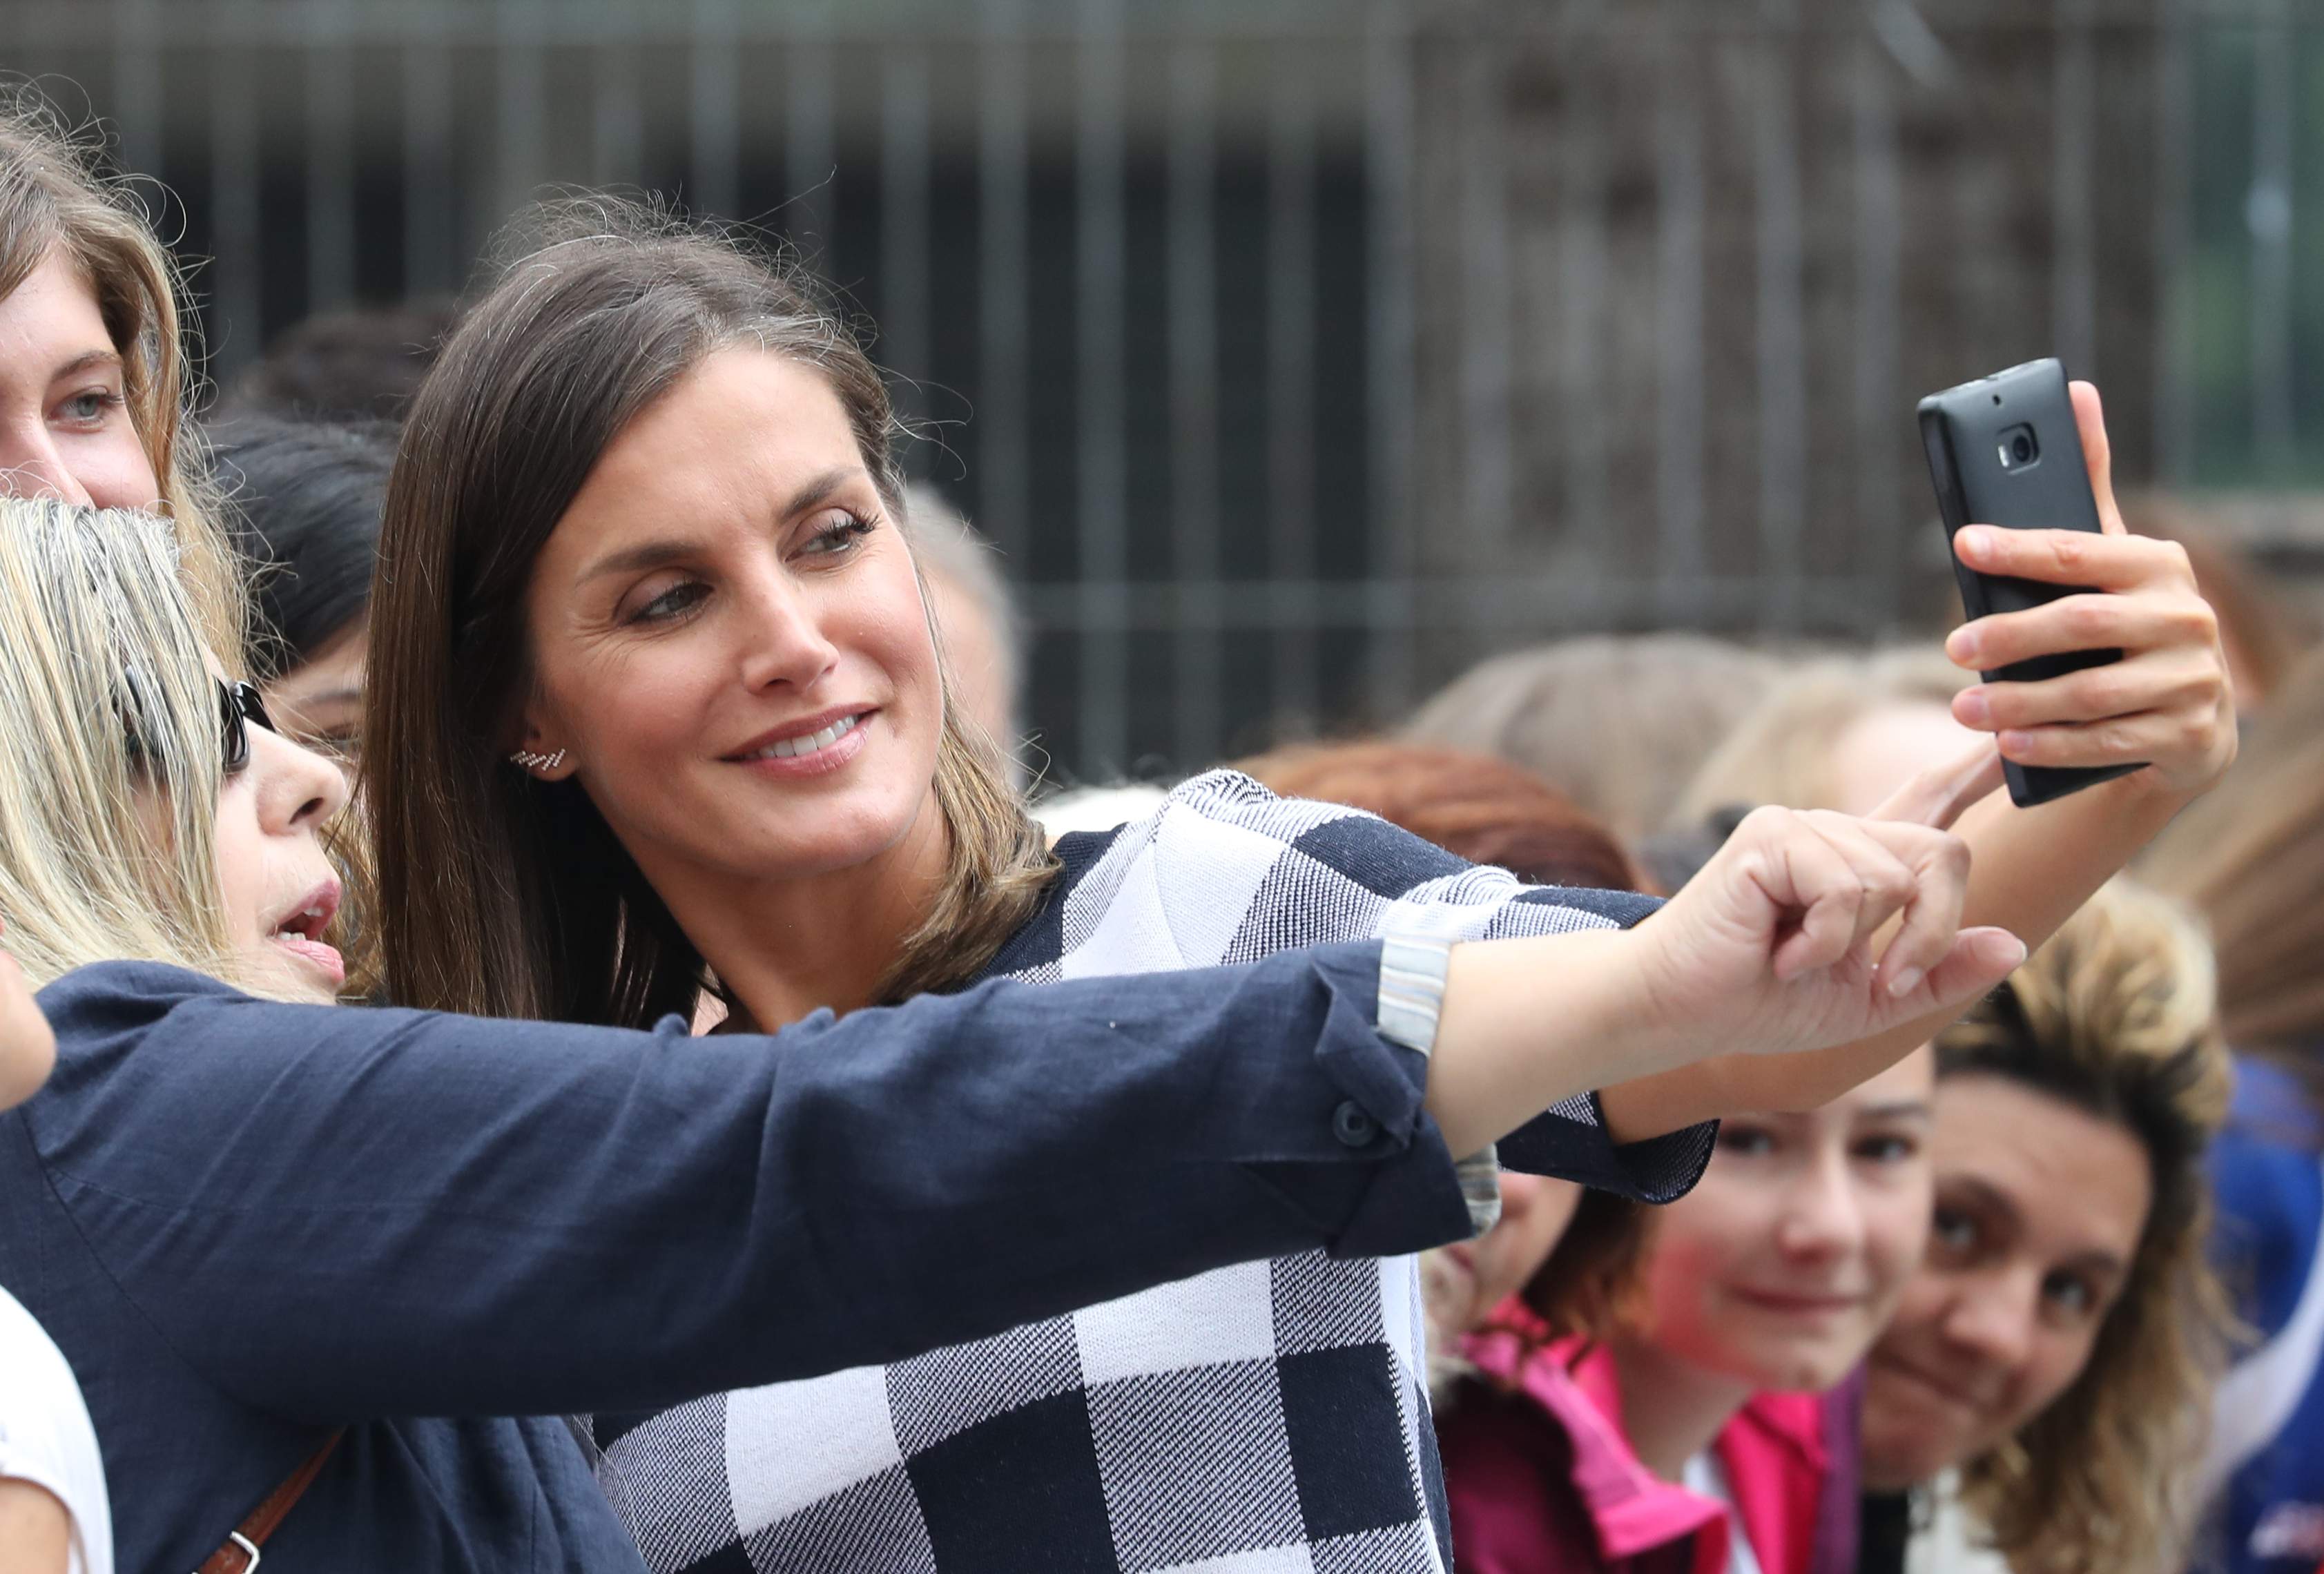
[1571, 1143]
[1402, 1192]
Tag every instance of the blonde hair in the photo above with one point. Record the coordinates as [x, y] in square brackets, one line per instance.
[1780, 751]
[104, 696]
[2115, 1016]
[54, 199]
[1617, 722]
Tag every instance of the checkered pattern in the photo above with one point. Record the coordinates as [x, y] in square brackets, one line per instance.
[1262, 1418]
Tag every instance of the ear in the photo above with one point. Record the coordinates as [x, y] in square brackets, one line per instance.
[541, 752]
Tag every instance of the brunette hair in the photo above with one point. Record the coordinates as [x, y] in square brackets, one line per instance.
[504, 896]
[56, 199]
[2114, 1016]
[2250, 856]
[305, 499]
[1488, 811]
[2266, 634]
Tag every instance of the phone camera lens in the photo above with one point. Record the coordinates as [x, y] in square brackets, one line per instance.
[2020, 447]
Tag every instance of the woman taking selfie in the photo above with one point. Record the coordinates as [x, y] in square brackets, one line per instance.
[285, 1244]
[653, 664]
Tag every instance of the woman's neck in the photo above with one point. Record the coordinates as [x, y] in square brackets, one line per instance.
[783, 948]
[1672, 1409]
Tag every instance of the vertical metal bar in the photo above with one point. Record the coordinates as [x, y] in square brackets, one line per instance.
[138, 86]
[235, 332]
[1487, 316]
[713, 117]
[905, 310]
[330, 160]
[2073, 273]
[1580, 351]
[1103, 493]
[617, 115]
[1878, 308]
[1679, 459]
[2269, 212]
[1782, 334]
[1390, 351]
[428, 207]
[521, 105]
[1004, 323]
[1291, 379]
[2175, 412]
[810, 143]
[1192, 306]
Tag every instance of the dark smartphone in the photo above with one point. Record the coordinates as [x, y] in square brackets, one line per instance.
[2004, 450]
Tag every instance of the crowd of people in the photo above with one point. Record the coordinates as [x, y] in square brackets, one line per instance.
[543, 1026]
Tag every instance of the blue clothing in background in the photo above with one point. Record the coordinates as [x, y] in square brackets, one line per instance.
[245, 1222]
[2267, 1444]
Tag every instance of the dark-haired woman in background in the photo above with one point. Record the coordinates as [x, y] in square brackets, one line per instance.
[305, 505]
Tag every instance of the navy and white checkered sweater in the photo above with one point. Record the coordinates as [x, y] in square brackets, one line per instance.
[1267, 1417]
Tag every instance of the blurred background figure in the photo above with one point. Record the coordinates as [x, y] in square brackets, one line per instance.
[1298, 357]
[2252, 861]
[354, 364]
[1618, 723]
[305, 499]
[2045, 1383]
[977, 613]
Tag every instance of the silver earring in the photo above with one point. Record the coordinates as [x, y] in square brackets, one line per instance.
[531, 761]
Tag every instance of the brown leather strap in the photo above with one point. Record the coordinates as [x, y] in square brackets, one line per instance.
[240, 1553]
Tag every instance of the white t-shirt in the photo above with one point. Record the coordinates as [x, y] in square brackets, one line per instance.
[46, 1437]
[1705, 1477]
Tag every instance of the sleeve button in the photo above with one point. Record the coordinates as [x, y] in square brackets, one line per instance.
[1352, 1126]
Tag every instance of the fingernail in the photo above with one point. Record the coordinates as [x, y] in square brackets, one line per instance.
[1961, 646]
[1904, 982]
[2013, 742]
[1976, 542]
[1970, 705]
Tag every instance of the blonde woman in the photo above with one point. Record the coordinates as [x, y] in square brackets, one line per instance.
[93, 372]
[661, 691]
[326, 1253]
[2043, 1387]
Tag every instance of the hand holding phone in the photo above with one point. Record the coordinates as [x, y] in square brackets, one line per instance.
[2100, 654]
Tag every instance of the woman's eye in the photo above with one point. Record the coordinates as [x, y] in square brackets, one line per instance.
[1887, 1150]
[1749, 1141]
[674, 603]
[90, 407]
[838, 537]
[1954, 1231]
[2071, 1293]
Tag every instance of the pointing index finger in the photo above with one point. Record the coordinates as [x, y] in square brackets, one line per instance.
[1938, 795]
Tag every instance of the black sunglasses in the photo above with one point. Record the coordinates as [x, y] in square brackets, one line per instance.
[239, 706]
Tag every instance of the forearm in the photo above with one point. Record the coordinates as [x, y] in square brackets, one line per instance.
[1502, 1058]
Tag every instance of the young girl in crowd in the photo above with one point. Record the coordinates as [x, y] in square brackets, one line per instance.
[652, 662]
[2255, 867]
[53, 1517]
[659, 684]
[2038, 1401]
[92, 370]
[1699, 1435]
[293, 1249]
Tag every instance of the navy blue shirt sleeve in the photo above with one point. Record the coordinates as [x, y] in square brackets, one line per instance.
[339, 1213]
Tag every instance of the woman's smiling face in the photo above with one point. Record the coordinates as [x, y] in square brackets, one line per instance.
[728, 638]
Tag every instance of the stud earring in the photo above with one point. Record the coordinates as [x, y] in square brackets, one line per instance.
[532, 761]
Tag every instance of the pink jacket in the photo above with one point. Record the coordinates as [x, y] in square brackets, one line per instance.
[1540, 1478]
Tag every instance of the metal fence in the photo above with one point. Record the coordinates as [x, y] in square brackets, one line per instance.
[1297, 352]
